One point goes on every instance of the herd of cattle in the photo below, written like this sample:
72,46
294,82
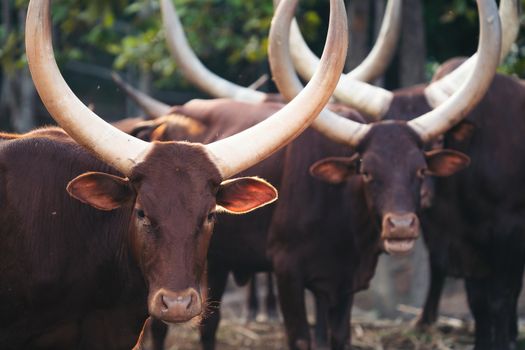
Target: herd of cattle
107,229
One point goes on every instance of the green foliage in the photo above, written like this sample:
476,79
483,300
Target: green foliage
227,35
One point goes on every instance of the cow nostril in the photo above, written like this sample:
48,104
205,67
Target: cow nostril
165,304
390,222
190,301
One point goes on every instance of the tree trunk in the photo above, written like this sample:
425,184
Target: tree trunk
359,24
413,50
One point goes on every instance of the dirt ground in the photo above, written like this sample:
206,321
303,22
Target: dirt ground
378,335
369,332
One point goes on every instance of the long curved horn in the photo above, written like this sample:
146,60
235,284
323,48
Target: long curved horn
359,95
439,91
193,69
105,141
371,100
245,149
381,54
328,123
439,120
152,107
372,66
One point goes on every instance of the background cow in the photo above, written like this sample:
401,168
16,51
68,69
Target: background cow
142,242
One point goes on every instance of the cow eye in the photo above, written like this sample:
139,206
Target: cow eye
421,173
141,214
211,216
366,176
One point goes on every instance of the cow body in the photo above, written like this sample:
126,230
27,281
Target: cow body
475,228
321,239
66,266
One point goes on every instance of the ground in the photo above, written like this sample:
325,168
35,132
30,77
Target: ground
377,335
369,331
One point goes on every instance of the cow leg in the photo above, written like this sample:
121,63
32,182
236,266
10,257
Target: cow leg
271,300
339,322
493,303
321,323
515,282
430,310
477,296
217,278
253,301
291,300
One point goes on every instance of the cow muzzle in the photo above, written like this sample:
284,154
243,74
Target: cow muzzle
400,231
175,307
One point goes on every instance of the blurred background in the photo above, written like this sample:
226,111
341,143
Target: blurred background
92,38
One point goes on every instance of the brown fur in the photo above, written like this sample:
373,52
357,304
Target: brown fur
69,270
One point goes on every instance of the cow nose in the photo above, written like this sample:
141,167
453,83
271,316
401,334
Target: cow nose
176,307
401,221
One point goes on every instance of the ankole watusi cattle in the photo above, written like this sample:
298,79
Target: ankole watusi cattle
475,227
330,245
206,124
131,232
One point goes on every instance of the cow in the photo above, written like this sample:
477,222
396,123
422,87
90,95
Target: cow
481,239
332,248
97,223
172,123
382,202
474,228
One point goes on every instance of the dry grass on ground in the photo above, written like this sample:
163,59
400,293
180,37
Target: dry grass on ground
376,335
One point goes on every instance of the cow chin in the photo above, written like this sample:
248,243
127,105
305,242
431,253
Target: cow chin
399,232
175,307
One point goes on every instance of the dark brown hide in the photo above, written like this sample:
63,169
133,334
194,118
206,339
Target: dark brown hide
476,226
63,264
69,270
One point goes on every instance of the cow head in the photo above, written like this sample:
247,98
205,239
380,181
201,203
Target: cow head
393,166
390,156
172,189
171,224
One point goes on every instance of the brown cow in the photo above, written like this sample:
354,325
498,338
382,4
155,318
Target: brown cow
140,244
332,252
475,227
326,237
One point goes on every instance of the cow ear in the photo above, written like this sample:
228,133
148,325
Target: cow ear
445,162
242,195
100,190
335,170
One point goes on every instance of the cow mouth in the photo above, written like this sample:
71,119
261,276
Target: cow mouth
182,319
399,246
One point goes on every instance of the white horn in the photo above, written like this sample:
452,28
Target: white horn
381,54
245,149
111,145
373,65
193,69
333,126
371,100
436,122
439,91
